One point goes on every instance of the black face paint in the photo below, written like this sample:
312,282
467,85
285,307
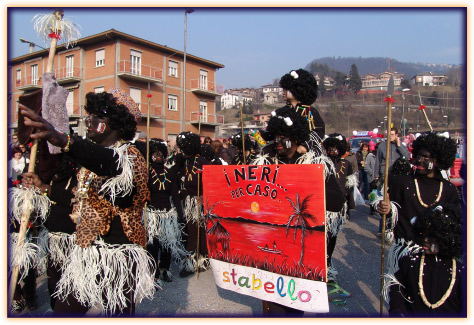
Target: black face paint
333,152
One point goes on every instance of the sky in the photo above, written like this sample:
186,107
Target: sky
258,45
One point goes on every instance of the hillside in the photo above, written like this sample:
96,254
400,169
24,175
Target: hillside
378,65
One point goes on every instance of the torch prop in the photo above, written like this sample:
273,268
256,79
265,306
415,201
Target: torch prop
53,107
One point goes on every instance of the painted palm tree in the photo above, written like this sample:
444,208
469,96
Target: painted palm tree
217,230
300,219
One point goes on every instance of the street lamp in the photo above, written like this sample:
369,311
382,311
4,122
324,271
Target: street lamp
403,110
32,45
183,123
446,116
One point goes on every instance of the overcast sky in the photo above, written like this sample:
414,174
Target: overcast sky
257,45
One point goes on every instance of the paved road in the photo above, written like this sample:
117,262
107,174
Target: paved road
356,257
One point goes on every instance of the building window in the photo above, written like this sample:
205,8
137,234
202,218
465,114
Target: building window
99,90
34,74
173,68
135,62
203,110
18,76
70,103
172,102
136,95
99,58
203,79
69,66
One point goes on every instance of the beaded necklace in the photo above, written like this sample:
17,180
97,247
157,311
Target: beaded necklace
423,204
155,176
193,169
306,112
446,294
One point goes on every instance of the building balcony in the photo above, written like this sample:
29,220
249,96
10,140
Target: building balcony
66,75
143,73
206,88
206,119
29,83
155,110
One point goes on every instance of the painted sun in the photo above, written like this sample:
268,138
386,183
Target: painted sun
254,206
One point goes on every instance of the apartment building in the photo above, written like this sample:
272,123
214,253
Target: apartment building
429,79
176,97
379,81
230,99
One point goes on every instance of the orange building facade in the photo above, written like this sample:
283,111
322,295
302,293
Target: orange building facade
152,74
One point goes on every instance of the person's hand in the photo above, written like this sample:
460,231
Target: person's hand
397,139
44,129
31,179
384,206
301,150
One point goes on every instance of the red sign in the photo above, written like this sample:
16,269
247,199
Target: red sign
272,218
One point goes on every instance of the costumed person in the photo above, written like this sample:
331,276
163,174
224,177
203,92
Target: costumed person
335,146
164,212
108,265
189,164
430,282
238,158
409,195
289,130
300,91
59,224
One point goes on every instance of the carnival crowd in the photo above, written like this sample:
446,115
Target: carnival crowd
113,210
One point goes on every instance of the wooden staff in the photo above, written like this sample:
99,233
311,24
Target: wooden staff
422,107
389,101
242,130
198,225
25,217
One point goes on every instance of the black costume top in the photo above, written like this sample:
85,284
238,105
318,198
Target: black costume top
436,281
402,191
61,206
188,176
163,184
343,170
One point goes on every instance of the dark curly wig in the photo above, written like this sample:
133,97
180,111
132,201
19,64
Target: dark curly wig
158,145
442,148
442,224
333,141
401,166
236,140
189,143
297,130
104,105
302,85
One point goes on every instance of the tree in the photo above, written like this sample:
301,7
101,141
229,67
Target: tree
301,219
321,85
355,83
433,99
340,79
405,83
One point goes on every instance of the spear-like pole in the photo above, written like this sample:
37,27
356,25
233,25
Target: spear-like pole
242,129
423,107
52,26
389,101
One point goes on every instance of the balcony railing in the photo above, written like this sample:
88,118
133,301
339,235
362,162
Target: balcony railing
67,74
206,88
28,83
206,119
141,72
155,110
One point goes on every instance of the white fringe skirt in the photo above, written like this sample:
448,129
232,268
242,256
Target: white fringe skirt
105,274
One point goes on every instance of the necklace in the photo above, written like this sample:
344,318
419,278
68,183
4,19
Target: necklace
306,112
193,169
157,179
446,294
423,204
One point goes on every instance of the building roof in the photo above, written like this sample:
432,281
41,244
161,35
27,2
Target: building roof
115,34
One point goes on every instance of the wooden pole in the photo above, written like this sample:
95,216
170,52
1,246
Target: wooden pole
385,197
243,135
25,217
198,226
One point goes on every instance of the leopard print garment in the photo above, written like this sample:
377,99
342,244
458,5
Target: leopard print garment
98,212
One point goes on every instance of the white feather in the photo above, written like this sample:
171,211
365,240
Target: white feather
27,201
44,24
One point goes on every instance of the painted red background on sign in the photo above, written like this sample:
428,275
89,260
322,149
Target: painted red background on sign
248,212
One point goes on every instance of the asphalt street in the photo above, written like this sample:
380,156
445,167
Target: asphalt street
357,258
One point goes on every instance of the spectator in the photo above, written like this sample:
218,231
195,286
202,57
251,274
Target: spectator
350,156
24,151
361,156
397,150
14,142
369,168
207,140
17,164
220,151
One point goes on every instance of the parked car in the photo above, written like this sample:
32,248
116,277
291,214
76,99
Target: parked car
355,142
